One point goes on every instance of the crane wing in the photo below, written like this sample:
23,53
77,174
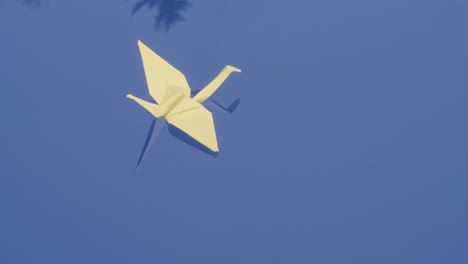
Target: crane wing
197,123
163,79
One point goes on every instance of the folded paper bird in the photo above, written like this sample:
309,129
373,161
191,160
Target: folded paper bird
174,103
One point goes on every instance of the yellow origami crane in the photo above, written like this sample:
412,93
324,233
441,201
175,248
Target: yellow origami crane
174,103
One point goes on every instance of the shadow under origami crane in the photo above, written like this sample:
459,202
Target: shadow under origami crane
159,124
211,105
169,11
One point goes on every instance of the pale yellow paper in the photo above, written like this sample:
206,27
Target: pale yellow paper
170,90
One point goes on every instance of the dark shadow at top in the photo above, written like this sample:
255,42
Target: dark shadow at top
31,3
35,4
169,11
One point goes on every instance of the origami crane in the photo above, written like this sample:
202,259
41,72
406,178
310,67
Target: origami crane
174,102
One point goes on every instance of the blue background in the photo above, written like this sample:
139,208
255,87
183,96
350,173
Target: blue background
349,145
